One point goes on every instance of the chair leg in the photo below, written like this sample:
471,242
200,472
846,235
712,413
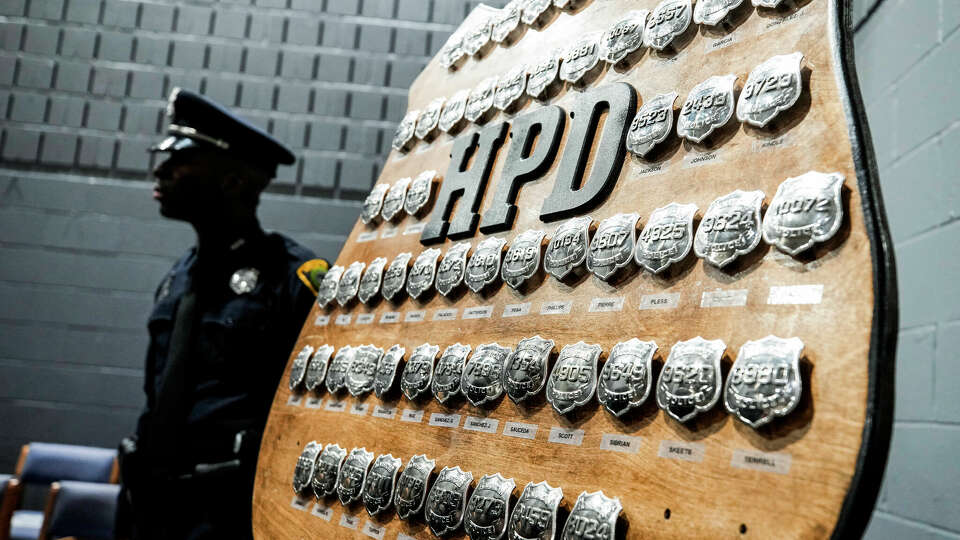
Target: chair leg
11,498
48,509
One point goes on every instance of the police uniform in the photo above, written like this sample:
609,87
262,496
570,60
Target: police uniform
210,378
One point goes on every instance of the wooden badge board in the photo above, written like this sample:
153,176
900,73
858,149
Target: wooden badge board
813,473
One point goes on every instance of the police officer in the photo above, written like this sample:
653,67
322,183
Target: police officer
224,321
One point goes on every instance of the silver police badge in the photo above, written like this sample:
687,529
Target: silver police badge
543,73
667,21
764,382
709,106
412,486
446,379
574,377
522,259
594,517
507,21
652,124
568,247
666,238
453,110
370,282
419,192
337,373
429,118
711,12
624,37
612,246
396,276
405,131
489,507
317,368
378,488
452,268
350,283
299,367
771,4
510,87
481,381
447,500
535,516
418,371
327,470
772,87
393,201
353,474
423,271
387,370
477,37
370,209
328,287
582,56
533,9
244,280
525,370
480,99
363,369
484,265
306,463
730,228
625,378
690,379
805,210
452,51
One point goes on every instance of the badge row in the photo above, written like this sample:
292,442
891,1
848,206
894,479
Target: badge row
409,195
485,514
805,210
764,382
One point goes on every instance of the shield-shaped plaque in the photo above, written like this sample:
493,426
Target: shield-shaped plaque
327,291
574,378
525,369
422,274
353,474
317,368
730,228
299,367
505,22
805,210
489,507
593,516
666,238
568,247
393,201
337,373
535,516
378,488
412,486
373,204
396,276
387,370
510,87
624,37
522,259
370,282
447,500
328,470
306,464
543,73
625,378
452,267
708,106
772,87
652,124
580,57
612,246
429,118
481,381
446,380
667,21
770,4
533,9
764,382
453,110
484,265
419,192
711,12
350,283
480,99
478,36
363,369
452,51
690,379
405,131
418,371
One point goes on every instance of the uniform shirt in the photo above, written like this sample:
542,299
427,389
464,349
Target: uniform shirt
240,342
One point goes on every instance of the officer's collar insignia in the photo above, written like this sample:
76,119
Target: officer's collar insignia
311,273
244,280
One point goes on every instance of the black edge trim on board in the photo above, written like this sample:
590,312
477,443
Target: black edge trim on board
875,442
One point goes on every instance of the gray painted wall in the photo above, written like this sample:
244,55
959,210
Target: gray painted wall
82,84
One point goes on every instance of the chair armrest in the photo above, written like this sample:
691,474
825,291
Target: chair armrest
48,509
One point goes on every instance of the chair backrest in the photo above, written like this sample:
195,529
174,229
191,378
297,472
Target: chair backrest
83,510
46,462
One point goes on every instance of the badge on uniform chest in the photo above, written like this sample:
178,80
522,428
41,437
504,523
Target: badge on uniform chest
244,280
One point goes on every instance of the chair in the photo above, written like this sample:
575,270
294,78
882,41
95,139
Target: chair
41,464
80,509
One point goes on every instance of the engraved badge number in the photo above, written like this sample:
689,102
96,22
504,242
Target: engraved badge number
378,488
533,9
480,99
393,201
418,371
535,516
505,22
405,131
805,210
328,470
429,118
370,282
387,370
453,110
452,268
447,500
580,58
593,516
477,37
625,378
689,382
730,228
423,271
396,276
711,12
299,367
652,124
624,37
446,380
327,291
412,486
772,87
568,247
525,369
612,246
349,283
363,369
353,474
489,507
666,238
543,74
510,87
418,194
317,368
667,21
764,382
337,374
522,259
708,106
481,381
574,378
306,464
484,265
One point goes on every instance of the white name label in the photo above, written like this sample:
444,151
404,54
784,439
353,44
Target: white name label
390,317
415,316
601,305
653,169
342,319
389,232
557,307
365,318
349,522
777,23
300,504
387,413
697,159
373,531
559,435
366,236
444,420
796,294
294,400
761,461
484,425
359,409
478,312
445,315
412,415
335,406
620,443
321,320
734,298
416,228
520,430
762,145
721,43
401,536
516,310
323,512
660,301
682,450
313,403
